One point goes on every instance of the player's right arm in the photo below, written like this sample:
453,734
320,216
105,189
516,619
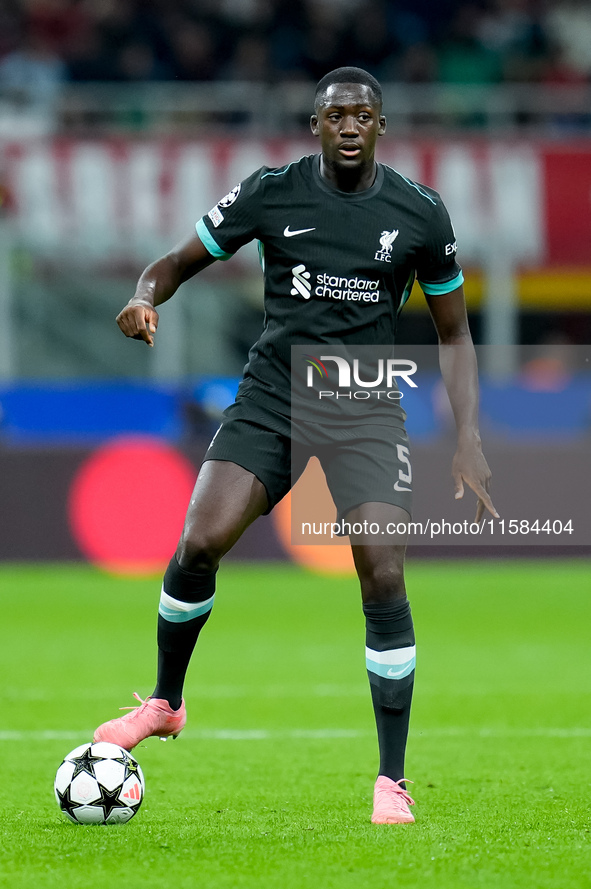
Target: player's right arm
231,223
158,282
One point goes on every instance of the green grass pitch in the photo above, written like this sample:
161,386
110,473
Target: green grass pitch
270,784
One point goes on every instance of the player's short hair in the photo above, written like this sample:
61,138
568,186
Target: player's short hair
347,75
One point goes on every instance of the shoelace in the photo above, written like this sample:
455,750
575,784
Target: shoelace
142,702
400,791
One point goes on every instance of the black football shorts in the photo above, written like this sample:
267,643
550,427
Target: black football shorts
362,463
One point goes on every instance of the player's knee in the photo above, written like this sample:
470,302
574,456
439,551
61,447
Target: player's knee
200,552
382,582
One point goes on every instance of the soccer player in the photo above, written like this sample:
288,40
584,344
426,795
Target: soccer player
336,215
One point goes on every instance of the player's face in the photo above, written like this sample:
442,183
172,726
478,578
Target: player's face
348,124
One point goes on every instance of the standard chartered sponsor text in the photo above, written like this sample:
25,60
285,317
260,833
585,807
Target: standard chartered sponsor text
353,289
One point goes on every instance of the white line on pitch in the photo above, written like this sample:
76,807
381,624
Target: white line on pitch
320,734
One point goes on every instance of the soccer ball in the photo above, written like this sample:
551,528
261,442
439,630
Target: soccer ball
99,784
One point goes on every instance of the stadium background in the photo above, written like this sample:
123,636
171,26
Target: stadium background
122,123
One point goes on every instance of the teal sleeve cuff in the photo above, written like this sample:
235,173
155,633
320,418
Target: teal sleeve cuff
440,289
209,243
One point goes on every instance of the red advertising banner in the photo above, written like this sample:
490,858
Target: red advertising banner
130,199
567,204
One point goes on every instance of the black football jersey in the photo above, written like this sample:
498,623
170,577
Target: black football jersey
338,266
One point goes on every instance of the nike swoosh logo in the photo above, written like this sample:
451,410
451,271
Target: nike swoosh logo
398,488
289,234
392,672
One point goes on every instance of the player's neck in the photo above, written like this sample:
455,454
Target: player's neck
359,179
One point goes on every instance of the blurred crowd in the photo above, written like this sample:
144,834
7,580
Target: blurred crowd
44,43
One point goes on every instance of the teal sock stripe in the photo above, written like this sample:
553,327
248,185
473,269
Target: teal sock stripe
178,612
394,664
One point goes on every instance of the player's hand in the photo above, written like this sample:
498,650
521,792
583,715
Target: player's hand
470,466
139,320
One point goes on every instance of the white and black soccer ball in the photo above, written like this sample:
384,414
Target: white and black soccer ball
99,784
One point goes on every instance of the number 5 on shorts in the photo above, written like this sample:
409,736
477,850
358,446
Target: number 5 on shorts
404,478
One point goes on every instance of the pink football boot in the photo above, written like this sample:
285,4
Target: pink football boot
154,717
391,802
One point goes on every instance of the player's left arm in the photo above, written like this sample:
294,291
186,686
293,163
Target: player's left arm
457,360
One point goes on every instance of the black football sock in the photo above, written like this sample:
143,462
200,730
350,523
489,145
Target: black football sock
390,658
185,604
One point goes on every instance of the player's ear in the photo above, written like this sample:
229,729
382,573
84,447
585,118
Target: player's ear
314,124
382,125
